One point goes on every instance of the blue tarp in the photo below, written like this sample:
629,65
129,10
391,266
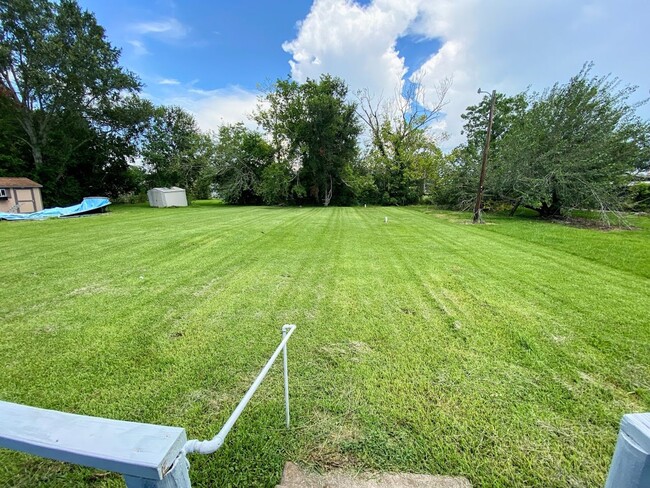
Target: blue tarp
89,205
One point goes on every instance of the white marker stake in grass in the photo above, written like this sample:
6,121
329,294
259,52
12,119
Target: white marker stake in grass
385,220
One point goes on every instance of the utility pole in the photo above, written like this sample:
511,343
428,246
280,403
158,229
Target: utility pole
479,194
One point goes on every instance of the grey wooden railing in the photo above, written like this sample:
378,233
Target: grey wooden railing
146,455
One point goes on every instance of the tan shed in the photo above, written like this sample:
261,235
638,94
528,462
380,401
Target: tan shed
20,195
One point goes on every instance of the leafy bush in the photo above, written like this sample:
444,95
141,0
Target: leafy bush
638,197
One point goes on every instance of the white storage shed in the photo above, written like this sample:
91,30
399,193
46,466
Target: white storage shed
167,197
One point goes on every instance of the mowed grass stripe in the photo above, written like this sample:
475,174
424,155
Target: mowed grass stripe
511,364
519,327
550,277
156,296
592,308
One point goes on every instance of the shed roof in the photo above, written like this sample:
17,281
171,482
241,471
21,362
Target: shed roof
168,190
18,183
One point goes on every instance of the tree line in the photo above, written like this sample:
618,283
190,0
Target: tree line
73,119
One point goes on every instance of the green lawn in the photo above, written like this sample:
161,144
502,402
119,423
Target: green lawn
506,352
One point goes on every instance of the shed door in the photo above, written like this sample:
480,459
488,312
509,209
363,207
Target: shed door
25,197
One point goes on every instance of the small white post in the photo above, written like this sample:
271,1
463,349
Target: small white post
285,329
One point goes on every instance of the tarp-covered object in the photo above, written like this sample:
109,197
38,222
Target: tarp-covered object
89,205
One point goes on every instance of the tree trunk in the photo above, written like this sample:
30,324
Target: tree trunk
328,192
514,208
38,156
34,141
314,191
547,211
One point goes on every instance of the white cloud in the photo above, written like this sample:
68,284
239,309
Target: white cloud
139,49
505,45
169,81
512,45
169,28
214,108
357,43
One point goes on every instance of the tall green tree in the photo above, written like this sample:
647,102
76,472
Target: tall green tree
576,147
176,153
13,150
240,157
463,164
403,150
83,159
55,58
72,113
314,129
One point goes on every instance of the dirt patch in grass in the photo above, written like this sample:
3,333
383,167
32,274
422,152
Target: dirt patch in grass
332,436
597,224
207,400
92,289
351,350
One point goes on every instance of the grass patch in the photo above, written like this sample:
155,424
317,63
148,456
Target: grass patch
506,353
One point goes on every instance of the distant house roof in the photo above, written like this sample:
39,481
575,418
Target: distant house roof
18,183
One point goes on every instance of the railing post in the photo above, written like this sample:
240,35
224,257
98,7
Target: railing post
285,329
210,446
630,466
177,477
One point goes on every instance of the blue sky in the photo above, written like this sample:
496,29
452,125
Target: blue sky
209,44
210,57
219,44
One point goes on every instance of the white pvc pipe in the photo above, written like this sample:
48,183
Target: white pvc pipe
286,377
208,447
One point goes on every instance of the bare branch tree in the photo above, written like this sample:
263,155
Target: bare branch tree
403,148
410,109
